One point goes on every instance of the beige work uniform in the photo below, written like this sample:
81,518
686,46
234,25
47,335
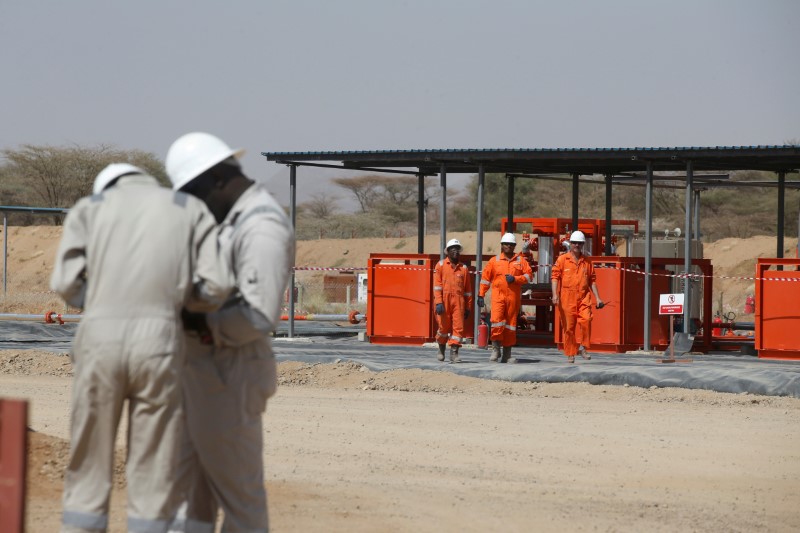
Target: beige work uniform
227,385
132,257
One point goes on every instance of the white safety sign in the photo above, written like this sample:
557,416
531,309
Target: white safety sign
670,304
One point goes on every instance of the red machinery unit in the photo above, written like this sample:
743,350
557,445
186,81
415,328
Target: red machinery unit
544,236
777,309
400,298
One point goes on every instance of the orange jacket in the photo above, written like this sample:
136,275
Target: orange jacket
577,276
494,275
452,283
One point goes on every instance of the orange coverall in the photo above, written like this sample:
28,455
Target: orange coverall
452,286
574,300
506,297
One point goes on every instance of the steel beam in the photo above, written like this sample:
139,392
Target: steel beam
648,253
478,254
293,216
687,248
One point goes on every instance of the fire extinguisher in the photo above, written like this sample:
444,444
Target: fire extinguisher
483,335
717,331
749,305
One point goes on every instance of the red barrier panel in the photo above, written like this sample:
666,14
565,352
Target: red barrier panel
777,309
400,298
13,462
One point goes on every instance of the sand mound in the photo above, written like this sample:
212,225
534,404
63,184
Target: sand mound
32,251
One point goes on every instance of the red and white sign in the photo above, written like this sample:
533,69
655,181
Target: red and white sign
670,304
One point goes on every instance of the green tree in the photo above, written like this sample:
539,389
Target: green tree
53,176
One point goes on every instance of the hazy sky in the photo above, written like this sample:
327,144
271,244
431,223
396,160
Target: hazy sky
351,75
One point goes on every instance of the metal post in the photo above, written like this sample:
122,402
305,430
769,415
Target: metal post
697,215
478,253
781,197
293,216
5,252
607,250
510,206
421,208
443,211
347,294
575,182
687,248
648,253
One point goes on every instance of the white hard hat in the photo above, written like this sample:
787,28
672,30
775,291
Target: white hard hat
194,153
452,242
508,238
577,236
112,172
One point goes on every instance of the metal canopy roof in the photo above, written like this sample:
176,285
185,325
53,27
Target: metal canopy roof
582,161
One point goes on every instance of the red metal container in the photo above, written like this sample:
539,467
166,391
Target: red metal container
777,306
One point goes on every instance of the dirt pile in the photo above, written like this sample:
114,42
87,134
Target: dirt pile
32,251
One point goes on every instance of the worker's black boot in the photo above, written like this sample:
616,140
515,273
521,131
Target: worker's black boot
507,355
440,357
454,354
495,351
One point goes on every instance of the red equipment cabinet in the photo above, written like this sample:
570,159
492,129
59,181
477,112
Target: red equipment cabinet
400,298
777,309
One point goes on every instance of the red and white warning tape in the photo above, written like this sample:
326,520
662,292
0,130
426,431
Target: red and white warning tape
420,268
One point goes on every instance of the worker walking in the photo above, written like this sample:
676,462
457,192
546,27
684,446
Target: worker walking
231,370
505,274
452,298
573,280
131,255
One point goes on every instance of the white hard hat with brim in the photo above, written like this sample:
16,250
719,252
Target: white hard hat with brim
194,153
112,172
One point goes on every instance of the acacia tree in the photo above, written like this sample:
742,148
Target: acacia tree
321,206
59,176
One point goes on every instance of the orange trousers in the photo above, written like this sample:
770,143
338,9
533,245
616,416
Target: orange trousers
451,322
575,314
505,310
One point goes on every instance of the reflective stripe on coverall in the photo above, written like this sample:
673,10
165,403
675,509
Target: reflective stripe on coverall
452,287
574,300
227,385
505,298
129,256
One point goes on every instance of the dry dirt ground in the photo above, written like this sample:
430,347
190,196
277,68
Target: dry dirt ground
348,449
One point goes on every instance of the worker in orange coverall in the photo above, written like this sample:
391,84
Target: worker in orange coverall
573,281
452,297
505,274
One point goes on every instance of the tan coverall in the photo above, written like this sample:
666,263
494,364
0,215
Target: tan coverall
575,279
452,287
132,257
227,385
506,298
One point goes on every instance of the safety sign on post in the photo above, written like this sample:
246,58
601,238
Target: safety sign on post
671,304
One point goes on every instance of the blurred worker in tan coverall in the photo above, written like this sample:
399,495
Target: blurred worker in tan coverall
573,281
131,255
231,376
452,298
505,273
